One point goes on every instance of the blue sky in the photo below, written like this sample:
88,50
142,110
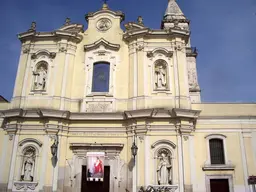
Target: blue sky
222,30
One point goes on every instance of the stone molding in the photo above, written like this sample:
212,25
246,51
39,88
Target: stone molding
160,50
58,34
105,11
151,33
21,143
103,42
25,186
225,167
160,142
111,149
159,188
150,113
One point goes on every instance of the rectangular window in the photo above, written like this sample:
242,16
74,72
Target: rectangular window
217,151
100,81
219,185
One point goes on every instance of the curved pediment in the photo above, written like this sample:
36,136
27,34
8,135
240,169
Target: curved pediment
102,42
163,141
105,11
77,28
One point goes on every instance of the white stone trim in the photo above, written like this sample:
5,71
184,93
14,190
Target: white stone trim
192,162
146,155
101,55
44,162
209,177
3,157
216,136
134,171
180,162
176,81
33,66
19,158
135,79
158,145
25,83
152,62
13,161
64,82
253,140
244,161
56,168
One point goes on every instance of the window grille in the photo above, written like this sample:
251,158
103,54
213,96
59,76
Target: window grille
217,151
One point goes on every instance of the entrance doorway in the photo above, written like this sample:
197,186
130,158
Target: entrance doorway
95,186
219,185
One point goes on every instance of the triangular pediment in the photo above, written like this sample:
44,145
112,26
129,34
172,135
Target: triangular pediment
102,42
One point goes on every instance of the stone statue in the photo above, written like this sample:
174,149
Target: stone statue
40,78
27,172
160,78
164,170
140,20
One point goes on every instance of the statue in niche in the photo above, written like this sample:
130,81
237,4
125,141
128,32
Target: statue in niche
40,76
160,76
164,175
28,167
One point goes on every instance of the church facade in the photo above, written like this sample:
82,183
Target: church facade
112,110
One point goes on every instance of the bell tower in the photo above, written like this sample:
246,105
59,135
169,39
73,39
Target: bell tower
174,19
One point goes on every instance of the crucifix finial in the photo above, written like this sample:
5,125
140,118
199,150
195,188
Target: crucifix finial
105,5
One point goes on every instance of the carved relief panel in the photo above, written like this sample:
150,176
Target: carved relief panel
192,74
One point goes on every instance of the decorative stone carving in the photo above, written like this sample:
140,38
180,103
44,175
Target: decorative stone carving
28,167
99,106
52,55
26,50
164,175
192,79
40,76
155,188
160,75
67,21
140,46
11,137
25,185
140,20
33,26
104,24
63,49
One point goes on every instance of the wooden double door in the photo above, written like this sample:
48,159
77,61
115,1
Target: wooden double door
219,185
95,186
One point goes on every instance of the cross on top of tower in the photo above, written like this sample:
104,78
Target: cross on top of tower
105,5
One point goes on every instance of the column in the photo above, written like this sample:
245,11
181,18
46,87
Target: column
180,159
44,162
245,168
192,162
56,170
147,158
13,162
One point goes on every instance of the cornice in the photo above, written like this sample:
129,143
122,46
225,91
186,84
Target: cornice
126,115
152,33
61,34
186,113
102,42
